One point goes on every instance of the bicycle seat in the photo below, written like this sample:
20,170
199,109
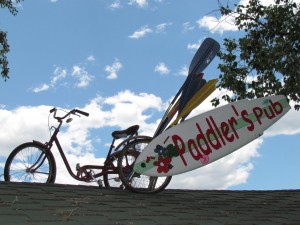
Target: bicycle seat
124,133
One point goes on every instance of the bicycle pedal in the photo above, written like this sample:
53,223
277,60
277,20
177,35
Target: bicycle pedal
117,179
100,183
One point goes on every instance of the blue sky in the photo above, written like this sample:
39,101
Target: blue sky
122,61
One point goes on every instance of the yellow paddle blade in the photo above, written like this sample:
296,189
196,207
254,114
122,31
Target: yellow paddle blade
197,99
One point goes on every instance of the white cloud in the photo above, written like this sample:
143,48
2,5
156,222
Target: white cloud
144,30
161,68
141,32
187,27
288,125
184,71
82,75
139,3
53,1
59,74
224,23
221,24
128,109
113,69
162,27
22,124
115,5
91,58
42,87
194,46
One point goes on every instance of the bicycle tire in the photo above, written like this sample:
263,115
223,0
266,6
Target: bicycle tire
113,180
133,181
19,166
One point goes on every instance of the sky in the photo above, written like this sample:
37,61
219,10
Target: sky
123,61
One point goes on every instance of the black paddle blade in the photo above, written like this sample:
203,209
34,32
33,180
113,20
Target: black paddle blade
204,55
202,58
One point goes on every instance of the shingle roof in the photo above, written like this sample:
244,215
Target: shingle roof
45,204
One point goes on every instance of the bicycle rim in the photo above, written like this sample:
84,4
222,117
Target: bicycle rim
137,182
30,163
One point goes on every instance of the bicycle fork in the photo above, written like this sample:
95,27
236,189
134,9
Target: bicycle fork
33,169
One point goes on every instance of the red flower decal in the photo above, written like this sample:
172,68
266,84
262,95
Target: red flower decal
163,164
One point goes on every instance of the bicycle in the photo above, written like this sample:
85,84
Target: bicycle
34,161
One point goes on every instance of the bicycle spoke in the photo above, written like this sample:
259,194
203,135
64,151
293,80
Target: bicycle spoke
152,183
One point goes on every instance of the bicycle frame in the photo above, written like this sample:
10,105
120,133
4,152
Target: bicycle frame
107,168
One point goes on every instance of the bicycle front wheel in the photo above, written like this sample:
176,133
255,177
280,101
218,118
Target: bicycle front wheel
30,162
134,181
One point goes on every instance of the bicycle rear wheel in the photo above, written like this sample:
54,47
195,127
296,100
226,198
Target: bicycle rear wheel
134,181
30,162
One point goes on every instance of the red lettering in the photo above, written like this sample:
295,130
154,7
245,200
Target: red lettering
271,114
200,137
181,151
258,112
210,134
225,130
235,111
275,107
244,115
217,129
192,145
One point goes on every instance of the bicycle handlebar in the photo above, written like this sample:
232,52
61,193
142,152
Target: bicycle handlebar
81,112
73,111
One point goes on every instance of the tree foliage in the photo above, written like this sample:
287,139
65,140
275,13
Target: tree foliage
265,61
4,46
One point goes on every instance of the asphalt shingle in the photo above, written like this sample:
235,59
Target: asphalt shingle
45,204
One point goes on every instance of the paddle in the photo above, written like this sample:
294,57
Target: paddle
195,68
197,99
204,55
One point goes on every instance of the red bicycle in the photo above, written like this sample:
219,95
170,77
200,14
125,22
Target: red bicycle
34,161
